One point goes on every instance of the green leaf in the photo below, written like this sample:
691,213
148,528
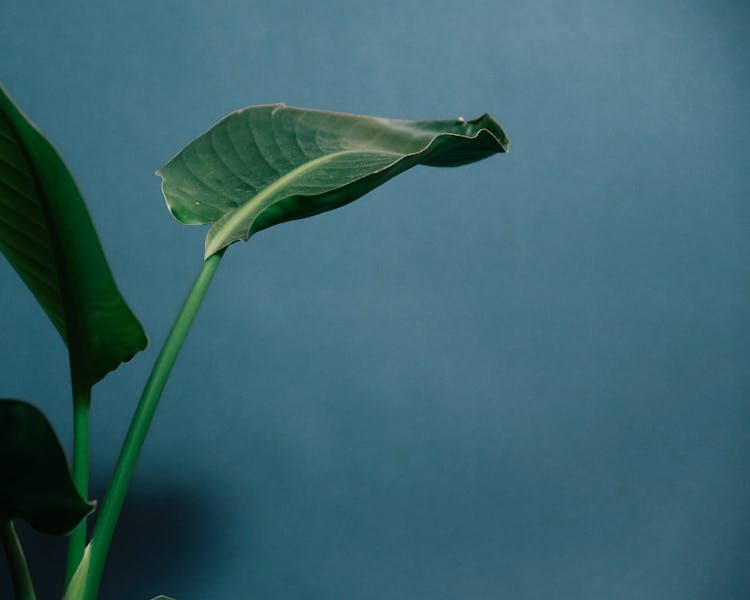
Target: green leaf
264,165
47,235
77,586
35,484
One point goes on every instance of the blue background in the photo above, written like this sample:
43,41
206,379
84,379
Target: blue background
526,378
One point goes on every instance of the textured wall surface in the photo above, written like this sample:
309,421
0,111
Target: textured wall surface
527,378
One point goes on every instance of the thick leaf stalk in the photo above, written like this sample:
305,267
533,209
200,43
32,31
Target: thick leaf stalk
123,475
81,405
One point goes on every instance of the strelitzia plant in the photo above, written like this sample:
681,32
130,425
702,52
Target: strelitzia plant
257,167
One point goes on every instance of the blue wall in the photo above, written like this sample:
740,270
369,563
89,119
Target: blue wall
526,378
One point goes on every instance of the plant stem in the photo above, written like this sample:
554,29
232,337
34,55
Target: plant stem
19,571
81,403
113,501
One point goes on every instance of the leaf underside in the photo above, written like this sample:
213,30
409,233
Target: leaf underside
48,237
35,483
268,164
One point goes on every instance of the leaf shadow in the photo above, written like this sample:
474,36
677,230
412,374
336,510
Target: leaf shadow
162,534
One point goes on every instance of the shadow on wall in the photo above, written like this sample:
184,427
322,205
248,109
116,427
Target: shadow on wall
160,536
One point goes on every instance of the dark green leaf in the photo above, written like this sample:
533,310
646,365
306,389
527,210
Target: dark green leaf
35,484
47,235
267,164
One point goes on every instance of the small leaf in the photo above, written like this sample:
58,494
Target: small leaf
162,598
47,235
267,164
35,483
77,585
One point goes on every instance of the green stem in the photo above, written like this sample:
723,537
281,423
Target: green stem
81,403
113,501
19,571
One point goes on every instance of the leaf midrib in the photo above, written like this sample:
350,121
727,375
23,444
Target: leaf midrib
258,202
64,298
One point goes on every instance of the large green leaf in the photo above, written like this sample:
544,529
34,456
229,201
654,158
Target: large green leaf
35,483
267,164
47,235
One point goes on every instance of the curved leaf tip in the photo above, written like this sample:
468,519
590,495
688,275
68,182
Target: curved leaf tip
267,164
48,237
35,483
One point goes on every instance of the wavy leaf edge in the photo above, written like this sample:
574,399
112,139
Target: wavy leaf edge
488,123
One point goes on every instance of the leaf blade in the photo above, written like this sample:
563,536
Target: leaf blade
47,235
77,585
36,484
267,164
